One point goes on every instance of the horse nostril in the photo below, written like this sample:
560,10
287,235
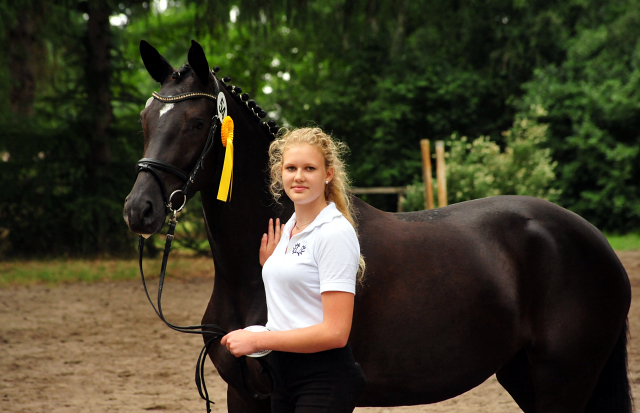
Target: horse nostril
147,212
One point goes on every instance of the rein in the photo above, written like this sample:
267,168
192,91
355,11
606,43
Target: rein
153,166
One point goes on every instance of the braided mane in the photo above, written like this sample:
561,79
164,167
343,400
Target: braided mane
249,104
243,99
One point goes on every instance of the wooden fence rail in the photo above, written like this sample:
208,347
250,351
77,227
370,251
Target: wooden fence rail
399,190
425,149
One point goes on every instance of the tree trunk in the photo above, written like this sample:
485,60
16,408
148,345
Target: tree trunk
22,44
98,74
398,36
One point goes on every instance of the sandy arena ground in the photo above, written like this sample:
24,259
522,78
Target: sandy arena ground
101,348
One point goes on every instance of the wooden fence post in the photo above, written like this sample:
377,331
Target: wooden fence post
425,148
441,174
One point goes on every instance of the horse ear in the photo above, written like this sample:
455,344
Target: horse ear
198,62
156,65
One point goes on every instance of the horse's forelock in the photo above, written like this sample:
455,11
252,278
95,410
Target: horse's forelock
181,73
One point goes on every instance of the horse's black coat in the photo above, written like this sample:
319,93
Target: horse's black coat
510,285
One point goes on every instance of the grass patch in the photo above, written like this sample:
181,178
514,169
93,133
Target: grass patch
62,271
626,242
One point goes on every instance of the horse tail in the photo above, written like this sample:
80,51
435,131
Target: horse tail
613,392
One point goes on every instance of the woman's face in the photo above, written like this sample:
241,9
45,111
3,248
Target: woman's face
304,174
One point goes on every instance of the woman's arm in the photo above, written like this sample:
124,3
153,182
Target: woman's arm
332,332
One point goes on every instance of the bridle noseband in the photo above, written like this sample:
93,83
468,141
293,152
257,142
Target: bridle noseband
153,166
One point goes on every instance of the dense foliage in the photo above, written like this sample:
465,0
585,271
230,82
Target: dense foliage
593,110
479,168
381,75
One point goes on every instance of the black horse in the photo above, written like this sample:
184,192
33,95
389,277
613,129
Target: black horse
510,285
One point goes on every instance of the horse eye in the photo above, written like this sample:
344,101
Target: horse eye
198,124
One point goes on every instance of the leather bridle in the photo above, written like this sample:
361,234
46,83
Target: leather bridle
153,166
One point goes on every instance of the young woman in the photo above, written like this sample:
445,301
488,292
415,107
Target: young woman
310,269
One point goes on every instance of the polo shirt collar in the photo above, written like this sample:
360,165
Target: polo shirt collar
326,215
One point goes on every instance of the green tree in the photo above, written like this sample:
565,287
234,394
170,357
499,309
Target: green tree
56,140
378,75
593,112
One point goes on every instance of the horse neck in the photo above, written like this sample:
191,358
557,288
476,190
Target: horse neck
235,227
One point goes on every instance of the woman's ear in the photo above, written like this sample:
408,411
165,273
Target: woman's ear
329,175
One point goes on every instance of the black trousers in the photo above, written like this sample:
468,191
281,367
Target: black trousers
324,382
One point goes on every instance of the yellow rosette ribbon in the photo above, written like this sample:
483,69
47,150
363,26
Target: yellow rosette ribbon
226,180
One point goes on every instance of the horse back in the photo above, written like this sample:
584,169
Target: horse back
535,239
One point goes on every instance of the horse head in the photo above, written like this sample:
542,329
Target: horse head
181,127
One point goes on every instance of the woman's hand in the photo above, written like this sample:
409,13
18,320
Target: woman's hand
270,240
240,342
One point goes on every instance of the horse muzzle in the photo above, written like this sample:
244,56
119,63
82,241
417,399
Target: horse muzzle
144,209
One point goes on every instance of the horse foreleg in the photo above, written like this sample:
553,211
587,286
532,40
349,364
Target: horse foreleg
240,403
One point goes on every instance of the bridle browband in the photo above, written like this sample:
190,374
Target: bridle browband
153,166
185,96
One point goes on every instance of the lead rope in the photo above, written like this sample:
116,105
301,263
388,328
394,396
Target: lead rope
216,334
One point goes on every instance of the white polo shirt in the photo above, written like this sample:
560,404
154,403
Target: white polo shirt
323,257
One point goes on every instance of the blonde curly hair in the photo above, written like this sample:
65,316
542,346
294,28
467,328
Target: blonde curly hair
337,190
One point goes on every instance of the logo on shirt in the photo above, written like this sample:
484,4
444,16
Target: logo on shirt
297,249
